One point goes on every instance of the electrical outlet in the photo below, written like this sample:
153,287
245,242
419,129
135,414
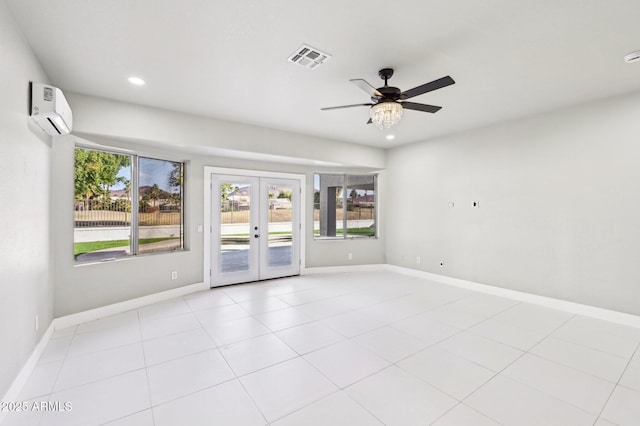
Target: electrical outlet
418,260
350,256
174,275
37,322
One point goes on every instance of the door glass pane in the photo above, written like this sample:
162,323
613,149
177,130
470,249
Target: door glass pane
235,227
280,226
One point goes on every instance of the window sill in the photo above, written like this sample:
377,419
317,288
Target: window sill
355,237
125,258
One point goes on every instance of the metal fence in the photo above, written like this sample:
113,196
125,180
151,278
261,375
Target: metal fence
242,216
353,213
111,213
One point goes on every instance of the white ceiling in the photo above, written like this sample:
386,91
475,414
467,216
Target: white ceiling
228,58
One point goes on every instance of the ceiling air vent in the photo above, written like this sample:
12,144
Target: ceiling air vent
309,57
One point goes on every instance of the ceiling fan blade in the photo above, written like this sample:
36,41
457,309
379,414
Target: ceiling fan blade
420,107
344,106
427,87
364,85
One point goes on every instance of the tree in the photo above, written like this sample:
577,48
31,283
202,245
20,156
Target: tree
154,194
226,189
353,194
176,177
339,196
285,194
95,172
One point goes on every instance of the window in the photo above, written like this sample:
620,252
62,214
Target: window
160,205
344,206
107,185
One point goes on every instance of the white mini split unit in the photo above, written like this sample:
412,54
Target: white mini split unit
50,109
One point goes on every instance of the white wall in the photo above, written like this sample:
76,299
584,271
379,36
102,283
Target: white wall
25,264
209,136
559,208
201,142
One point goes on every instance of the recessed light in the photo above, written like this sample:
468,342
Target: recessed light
390,137
137,81
632,57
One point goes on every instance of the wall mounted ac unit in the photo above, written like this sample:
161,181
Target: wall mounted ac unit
50,109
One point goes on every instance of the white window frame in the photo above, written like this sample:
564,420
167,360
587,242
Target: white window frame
345,196
134,227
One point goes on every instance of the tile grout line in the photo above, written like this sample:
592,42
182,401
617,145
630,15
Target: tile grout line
216,348
539,390
462,330
465,405
339,389
617,383
390,364
68,358
146,368
75,334
64,360
298,356
507,366
171,316
346,338
236,378
580,346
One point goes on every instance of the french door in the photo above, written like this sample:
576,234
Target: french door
255,228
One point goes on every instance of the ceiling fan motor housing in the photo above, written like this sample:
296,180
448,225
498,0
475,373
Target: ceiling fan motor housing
389,94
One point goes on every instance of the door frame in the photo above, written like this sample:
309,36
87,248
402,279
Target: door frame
208,223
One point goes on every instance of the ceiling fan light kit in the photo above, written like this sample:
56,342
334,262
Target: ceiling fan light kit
385,115
388,103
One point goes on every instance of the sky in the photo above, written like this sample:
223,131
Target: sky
151,172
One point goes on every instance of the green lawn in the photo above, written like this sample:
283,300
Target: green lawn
368,231
88,247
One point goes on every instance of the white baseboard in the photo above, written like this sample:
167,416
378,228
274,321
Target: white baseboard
127,305
14,390
349,268
549,302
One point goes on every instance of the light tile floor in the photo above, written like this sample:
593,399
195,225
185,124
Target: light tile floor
338,349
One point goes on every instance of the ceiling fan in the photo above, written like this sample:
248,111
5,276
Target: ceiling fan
388,102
